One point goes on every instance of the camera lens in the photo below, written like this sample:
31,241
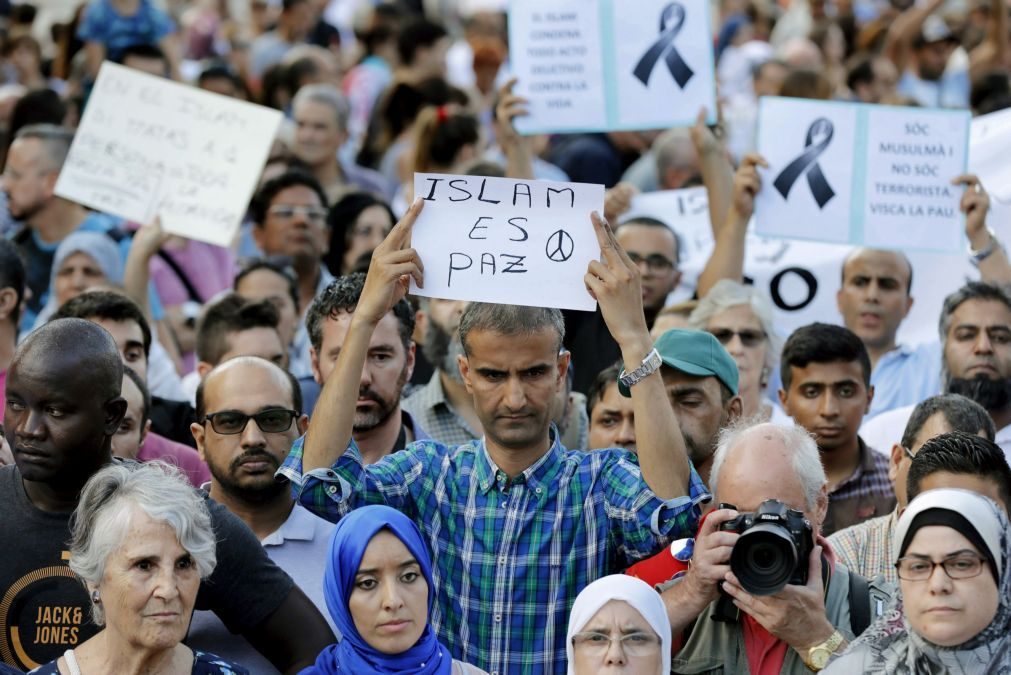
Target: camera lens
764,558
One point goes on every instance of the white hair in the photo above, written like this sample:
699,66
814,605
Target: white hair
674,149
801,445
325,94
726,294
108,503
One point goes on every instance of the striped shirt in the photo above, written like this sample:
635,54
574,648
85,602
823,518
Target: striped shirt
866,548
509,556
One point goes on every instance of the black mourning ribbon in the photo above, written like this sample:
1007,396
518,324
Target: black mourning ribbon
807,162
671,20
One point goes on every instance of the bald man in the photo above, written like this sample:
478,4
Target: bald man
64,405
250,413
873,300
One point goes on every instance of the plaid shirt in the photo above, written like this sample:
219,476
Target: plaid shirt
865,494
509,556
429,406
866,548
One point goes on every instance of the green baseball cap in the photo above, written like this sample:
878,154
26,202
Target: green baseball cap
694,352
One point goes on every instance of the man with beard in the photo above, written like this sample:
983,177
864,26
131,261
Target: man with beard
975,328
380,426
443,407
827,389
250,412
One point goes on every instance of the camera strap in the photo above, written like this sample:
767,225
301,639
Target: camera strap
860,604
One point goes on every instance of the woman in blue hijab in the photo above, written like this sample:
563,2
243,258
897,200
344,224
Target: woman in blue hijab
378,588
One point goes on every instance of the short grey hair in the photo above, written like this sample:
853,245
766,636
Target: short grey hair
325,94
55,141
806,460
510,320
110,499
674,149
726,294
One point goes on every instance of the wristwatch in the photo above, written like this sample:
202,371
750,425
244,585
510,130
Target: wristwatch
818,656
649,365
976,257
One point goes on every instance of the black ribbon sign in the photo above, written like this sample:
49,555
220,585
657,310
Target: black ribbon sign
807,162
671,20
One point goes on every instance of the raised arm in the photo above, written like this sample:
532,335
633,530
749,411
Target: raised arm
137,275
716,169
992,52
293,635
995,267
727,259
903,31
394,263
614,282
519,156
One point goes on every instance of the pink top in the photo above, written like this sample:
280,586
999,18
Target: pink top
170,452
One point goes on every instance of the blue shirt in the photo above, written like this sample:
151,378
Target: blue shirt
905,376
102,23
510,556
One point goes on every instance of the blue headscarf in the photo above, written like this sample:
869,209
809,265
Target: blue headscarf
353,654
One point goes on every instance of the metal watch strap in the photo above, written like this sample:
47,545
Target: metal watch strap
649,365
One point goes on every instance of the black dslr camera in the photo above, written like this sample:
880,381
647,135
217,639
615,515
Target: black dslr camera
774,550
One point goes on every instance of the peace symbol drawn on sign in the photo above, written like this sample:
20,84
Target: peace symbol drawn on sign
559,246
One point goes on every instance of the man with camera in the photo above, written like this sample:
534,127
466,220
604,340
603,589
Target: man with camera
762,592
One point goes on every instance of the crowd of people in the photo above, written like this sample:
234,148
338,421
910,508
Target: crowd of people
273,458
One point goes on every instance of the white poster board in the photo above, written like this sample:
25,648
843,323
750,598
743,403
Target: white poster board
147,146
594,65
506,241
862,174
801,278
989,150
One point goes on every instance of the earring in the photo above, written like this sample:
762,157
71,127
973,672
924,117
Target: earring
95,598
763,379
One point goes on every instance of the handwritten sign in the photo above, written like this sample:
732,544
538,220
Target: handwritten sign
989,146
147,146
862,174
506,241
593,65
801,278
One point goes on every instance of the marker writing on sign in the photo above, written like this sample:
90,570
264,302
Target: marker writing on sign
462,191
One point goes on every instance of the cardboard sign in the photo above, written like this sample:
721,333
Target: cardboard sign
862,174
800,278
506,241
147,146
594,65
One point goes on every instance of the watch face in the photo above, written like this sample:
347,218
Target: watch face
819,657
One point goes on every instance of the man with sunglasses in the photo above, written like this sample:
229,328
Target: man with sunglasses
250,413
289,222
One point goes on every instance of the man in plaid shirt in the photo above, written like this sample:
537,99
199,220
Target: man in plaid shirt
517,524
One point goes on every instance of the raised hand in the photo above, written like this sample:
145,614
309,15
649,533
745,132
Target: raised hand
394,264
614,282
747,183
975,204
618,200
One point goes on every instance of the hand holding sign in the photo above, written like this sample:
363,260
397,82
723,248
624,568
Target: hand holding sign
394,265
747,183
614,282
974,204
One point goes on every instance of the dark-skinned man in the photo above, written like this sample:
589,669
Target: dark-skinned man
541,521
63,407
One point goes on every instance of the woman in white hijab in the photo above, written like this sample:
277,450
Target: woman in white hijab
953,614
618,622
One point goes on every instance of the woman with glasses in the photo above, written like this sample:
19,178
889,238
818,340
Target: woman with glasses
953,611
379,590
618,624
741,318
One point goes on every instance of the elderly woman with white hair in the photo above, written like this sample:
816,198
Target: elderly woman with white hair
141,541
741,318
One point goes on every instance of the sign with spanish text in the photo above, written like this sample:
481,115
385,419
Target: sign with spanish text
851,173
506,241
594,65
147,147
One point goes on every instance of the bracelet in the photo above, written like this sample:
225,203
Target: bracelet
649,365
976,257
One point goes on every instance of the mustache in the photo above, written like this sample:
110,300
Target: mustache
255,455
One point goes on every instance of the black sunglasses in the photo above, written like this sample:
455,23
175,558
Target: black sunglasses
749,338
271,421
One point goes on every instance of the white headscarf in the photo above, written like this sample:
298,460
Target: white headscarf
636,593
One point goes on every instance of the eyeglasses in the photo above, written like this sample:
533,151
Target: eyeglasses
287,212
654,262
964,566
909,453
633,644
271,421
749,338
